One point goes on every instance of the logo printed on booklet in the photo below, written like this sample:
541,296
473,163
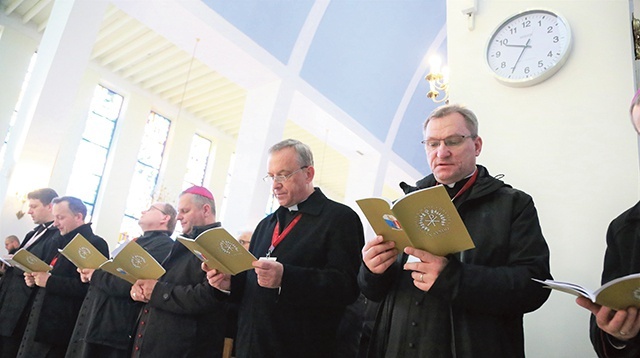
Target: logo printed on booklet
392,221
84,252
138,261
433,220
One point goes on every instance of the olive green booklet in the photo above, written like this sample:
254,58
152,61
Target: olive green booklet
131,263
618,294
27,262
425,219
82,253
220,250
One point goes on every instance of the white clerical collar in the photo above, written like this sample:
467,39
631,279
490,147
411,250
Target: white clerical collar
468,176
293,207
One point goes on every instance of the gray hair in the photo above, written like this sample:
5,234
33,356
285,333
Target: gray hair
305,157
76,206
443,111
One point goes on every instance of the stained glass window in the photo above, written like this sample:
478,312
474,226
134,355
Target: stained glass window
197,163
145,178
91,156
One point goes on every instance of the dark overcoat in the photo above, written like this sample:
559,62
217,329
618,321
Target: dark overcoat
56,306
182,318
108,314
475,307
321,256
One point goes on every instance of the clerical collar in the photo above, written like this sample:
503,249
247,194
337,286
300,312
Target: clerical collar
293,207
461,181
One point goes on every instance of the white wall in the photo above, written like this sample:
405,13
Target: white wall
567,141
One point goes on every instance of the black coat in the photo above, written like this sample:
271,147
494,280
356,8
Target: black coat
182,318
476,305
321,256
55,308
15,296
108,314
622,258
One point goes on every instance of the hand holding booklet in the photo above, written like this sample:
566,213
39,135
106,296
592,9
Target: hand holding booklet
220,250
618,294
425,219
27,262
130,262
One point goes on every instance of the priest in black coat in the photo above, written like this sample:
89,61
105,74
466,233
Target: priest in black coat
60,291
16,297
291,304
108,315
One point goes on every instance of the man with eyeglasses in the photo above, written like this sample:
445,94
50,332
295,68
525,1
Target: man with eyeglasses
290,305
469,304
108,314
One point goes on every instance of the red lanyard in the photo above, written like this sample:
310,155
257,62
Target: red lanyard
467,185
277,237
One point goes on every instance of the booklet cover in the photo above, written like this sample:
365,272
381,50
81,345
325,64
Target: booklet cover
618,294
220,250
133,263
27,262
425,219
82,253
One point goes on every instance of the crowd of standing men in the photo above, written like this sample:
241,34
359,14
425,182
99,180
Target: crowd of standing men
313,267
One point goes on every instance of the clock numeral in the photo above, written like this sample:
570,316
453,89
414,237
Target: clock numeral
513,30
556,39
503,64
498,54
526,23
550,29
540,63
527,70
504,42
550,54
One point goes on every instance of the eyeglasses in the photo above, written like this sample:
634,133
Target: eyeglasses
160,210
281,178
451,141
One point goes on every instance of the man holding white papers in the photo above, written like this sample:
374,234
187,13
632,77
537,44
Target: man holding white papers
181,318
469,304
108,315
615,333
292,303
60,291
16,298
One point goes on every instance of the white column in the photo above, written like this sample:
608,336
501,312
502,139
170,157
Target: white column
45,116
262,126
16,50
221,166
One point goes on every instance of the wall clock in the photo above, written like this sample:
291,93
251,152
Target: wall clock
528,47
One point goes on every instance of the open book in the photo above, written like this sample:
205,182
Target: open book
618,294
425,219
130,262
26,261
220,250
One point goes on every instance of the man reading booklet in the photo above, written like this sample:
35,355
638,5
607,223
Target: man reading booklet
108,312
180,316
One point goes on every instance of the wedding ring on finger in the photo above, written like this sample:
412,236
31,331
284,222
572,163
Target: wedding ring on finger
134,295
421,277
623,333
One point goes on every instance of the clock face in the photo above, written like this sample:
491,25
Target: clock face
528,47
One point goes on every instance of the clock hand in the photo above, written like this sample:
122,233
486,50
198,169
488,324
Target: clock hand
524,46
521,52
